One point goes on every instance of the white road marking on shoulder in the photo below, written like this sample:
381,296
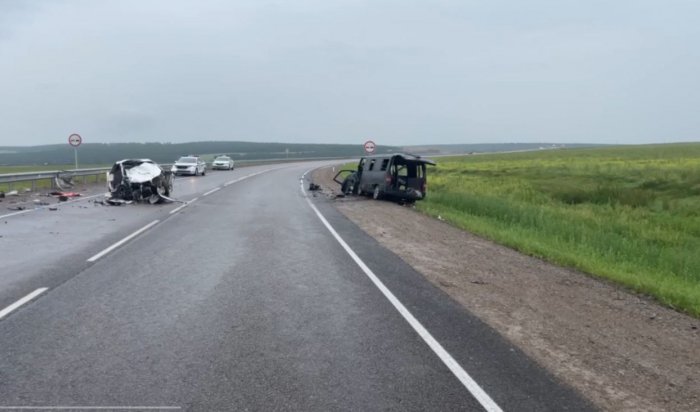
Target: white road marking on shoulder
21,302
21,212
121,242
216,189
479,394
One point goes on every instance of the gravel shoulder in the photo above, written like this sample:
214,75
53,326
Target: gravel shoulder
621,350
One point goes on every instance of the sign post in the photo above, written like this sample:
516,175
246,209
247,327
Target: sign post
369,147
75,140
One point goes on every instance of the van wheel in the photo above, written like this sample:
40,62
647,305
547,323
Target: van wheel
377,194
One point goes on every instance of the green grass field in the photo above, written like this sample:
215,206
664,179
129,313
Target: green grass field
628,214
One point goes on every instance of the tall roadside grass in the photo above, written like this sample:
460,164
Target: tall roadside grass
628,214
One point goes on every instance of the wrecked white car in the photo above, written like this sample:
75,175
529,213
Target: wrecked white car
139,180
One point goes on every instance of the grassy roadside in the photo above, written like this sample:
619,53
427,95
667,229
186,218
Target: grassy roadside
628,214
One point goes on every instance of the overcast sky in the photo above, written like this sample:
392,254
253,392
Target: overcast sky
334,71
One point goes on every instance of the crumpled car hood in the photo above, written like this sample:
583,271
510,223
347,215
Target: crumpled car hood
145,172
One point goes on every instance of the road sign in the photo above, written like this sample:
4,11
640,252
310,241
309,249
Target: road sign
369,147
75,140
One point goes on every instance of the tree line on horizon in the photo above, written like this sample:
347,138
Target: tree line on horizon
107,153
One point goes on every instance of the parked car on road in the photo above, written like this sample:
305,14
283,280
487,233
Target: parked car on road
397,176
189,165
222,162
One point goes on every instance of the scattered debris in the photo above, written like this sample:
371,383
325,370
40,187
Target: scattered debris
27,190
53,208
66,194
118,202
64,181
314,187
12,193
2,194
16,208
38,202
478,282
138,180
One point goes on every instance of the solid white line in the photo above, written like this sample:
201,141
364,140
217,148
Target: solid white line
21,212
216,189
21,302
91,408
481,396
121,242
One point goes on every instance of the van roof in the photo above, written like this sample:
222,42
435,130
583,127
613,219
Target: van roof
406,156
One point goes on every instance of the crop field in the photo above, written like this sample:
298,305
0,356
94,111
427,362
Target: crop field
627,214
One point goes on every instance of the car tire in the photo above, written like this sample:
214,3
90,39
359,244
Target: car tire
377,194
204,172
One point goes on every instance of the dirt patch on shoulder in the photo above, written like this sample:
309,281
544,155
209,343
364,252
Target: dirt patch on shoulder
620,350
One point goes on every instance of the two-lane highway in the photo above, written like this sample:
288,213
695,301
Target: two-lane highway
254,296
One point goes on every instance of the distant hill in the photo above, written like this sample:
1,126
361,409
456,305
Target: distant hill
106,153
442,149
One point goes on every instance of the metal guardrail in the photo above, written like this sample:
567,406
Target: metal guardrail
52,175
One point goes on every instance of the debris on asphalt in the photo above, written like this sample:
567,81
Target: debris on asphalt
16,208
65,194
12,193
314,187
118,202
38,202
53,208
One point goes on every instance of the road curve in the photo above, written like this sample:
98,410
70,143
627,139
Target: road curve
244,299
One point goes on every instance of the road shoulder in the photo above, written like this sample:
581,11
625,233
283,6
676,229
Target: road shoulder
620,350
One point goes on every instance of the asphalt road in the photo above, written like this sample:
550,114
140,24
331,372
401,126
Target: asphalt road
244,299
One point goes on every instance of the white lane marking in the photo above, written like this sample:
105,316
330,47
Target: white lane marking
184,205
91,408
21,212
216,189
121,242
247,176
481,396
21,302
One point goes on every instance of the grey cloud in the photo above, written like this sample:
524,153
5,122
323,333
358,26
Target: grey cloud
318,71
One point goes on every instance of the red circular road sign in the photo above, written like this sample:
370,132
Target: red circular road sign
369,146
75,140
